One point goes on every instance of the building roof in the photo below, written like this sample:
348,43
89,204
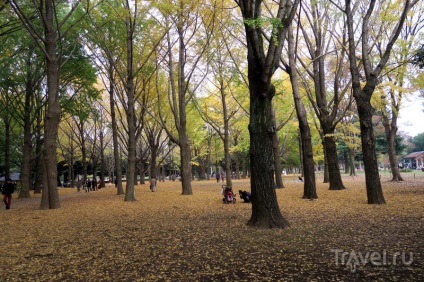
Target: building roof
414,155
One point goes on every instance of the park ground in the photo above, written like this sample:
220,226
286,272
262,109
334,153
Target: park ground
164,236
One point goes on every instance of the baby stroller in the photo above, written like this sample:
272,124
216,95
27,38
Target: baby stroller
245,196
229,196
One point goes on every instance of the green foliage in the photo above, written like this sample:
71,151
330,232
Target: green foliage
418,57
418,142
381,144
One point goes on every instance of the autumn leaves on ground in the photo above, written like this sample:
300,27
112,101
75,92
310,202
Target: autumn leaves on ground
165,236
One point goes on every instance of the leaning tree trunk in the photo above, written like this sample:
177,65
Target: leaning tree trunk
372,175
309,186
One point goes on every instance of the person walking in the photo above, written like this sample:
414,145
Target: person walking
153,184
7,191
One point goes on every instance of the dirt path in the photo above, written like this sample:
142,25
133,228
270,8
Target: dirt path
34,201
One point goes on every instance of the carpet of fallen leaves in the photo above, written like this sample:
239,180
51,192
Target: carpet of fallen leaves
164,236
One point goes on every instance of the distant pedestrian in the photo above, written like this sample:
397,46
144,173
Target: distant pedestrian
153,184
94,184
7,190
222,177
217,177
78,185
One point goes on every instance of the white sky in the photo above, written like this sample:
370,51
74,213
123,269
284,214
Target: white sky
411,116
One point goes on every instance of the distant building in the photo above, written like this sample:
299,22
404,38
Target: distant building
414,160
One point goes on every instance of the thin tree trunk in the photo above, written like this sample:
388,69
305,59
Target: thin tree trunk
102,160
117,157
352,170
27,148
391,130
277,160
309,187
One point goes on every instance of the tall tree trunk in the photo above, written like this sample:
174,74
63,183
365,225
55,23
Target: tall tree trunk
326,174
102,160
117,157
362,92
336,182
227,156
38,156
372,174
7,147
185,164
142,172
277,159
153,160
346,160
309,186
391,131
352,170
27,148
129,191
265,210
51,124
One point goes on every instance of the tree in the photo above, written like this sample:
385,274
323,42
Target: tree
397,82
54,23
261,67
189,27
418,142
363,92
306,150
326,81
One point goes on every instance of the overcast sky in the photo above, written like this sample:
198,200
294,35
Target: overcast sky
411,117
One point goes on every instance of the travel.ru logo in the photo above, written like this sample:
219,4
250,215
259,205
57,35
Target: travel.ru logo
354,259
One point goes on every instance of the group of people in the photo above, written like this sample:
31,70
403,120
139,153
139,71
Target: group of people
220,176
90,185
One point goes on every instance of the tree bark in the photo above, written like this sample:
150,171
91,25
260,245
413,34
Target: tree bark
372,175
309,186
185,163
391,142
265,210
325,170
51,124
27,148
118,166
277,160
363,94
336,182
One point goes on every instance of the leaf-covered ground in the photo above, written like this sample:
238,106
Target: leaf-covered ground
165,236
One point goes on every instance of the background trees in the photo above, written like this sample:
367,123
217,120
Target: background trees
149,60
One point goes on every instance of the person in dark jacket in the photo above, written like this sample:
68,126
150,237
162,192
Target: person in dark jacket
7,191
